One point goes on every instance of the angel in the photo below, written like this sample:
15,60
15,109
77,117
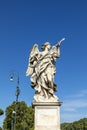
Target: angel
42,69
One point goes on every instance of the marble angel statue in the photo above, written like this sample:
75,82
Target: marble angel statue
42,69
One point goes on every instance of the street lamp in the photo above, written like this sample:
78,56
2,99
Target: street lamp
14,113
17,87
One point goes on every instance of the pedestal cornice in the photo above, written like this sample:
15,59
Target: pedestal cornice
46,104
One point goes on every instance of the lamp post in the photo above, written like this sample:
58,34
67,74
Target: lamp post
14,112
13,120
17,87
17,90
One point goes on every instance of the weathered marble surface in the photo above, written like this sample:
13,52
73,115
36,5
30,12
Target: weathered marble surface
42,69
47,116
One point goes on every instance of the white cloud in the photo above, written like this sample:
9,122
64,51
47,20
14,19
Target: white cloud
74,107
65,117
80,94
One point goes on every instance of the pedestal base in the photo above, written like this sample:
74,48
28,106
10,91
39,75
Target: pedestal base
47,116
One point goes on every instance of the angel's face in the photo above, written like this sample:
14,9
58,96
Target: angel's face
48,46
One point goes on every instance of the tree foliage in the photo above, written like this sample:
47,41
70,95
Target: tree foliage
1,112
0,128
77,125
20,116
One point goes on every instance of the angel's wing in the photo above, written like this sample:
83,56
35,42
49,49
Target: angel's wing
34,50
33,53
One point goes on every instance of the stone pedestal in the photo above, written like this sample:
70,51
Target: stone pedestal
47,115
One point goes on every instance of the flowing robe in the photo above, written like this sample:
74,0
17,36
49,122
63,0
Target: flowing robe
42,78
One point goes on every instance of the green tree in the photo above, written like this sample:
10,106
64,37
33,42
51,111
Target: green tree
0,128
76,125
20,116
1,112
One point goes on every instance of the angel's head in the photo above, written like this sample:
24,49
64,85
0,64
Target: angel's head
46,45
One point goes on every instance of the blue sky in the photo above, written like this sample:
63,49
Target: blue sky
26,22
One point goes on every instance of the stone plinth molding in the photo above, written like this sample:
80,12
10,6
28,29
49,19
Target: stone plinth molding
47,115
